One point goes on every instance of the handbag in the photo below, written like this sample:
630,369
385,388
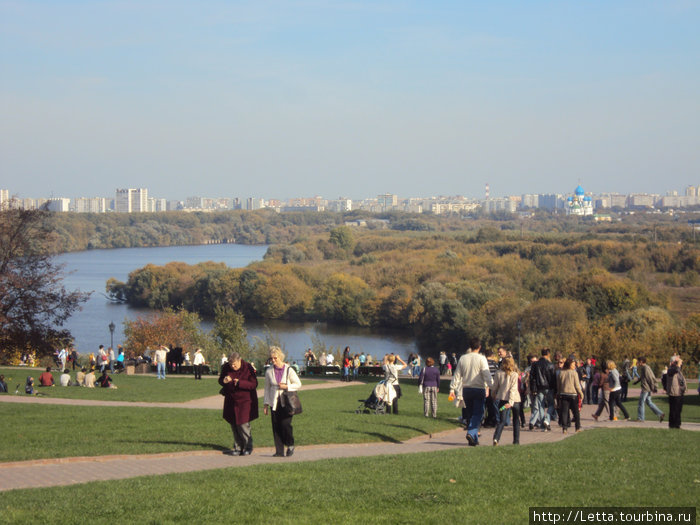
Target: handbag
290,400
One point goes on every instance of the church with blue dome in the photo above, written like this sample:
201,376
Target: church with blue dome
579,203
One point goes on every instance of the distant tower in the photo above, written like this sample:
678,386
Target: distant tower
487,191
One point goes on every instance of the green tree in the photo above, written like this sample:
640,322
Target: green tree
343,298
229,333
342,237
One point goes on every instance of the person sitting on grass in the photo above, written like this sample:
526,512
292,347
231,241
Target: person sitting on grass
90,379
80,377
3,385
29,386
46,378
104,380
65,378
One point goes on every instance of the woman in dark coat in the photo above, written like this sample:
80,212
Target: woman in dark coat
240,402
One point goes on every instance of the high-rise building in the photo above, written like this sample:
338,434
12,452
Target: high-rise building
550,201
642,200
530,201
387,201
58,204
90,205
340,205
130,200
254,204
4,197
494,205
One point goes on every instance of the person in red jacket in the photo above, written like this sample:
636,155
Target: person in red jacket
46,378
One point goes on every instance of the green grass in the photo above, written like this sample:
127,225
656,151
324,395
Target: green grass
175,389
603,467
32,431
690,413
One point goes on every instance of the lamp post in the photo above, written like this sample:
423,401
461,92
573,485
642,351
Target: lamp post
111,334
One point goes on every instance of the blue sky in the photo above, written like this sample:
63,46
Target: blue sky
348,98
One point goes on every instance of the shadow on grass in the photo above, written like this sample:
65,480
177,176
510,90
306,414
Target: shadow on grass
419,430
382,437
190,443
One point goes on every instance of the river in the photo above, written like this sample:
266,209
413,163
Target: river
88,271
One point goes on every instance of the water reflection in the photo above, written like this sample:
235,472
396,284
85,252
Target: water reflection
89,271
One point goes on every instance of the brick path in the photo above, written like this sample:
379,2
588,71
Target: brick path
69,471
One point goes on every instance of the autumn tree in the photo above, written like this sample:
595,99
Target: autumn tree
170,327
34,304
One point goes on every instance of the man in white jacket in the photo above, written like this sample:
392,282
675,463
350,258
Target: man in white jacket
198,363
473,377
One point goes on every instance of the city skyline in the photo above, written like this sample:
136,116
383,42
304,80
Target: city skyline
578,201
349,99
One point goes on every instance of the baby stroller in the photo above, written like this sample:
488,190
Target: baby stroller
381,397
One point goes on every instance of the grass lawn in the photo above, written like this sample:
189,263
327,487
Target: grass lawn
32,431
175,389
690,413
613,467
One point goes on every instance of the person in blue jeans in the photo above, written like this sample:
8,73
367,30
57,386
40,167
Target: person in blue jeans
543,386
472,377
161,356
648,380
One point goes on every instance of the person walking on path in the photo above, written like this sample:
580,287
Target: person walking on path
604,394
429,381
569,391
280,377
198,363
648,385
240,402
161,357
507,397
473,378
615,392
543,384
675,386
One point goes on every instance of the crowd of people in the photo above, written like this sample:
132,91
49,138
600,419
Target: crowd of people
489,387
492,390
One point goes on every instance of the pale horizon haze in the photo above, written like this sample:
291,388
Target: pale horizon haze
348,98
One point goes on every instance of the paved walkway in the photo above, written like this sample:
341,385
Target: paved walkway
69,471
211,402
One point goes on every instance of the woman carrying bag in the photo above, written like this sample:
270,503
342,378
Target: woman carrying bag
280,378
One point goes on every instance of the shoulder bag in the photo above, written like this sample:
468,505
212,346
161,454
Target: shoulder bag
290,400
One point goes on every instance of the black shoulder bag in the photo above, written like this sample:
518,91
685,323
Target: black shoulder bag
290,400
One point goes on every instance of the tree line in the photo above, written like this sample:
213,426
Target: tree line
609,294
